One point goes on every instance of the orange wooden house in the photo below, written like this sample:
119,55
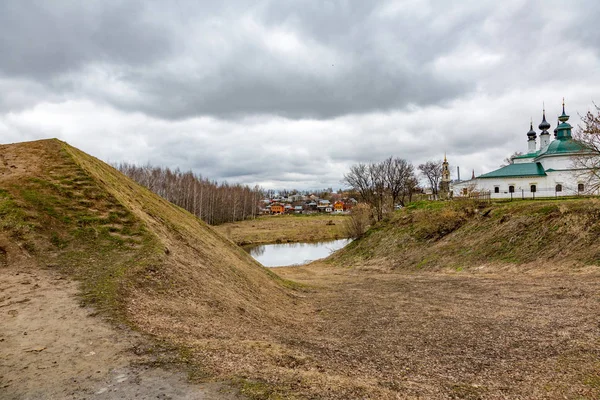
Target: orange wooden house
338,206
277,208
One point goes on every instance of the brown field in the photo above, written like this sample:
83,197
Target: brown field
449,335
285,228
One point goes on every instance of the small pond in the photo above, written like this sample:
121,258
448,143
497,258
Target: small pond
285,254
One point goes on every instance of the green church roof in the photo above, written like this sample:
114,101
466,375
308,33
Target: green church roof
563,146
516,170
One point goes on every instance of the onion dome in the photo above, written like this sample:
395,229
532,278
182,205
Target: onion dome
564,117
544,126
531,135
563,130
556,129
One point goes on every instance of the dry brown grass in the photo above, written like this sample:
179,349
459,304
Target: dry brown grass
449,335
460,236
286,229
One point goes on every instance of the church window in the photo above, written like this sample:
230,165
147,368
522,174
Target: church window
558,187
533,188
580,187
511,189
496,189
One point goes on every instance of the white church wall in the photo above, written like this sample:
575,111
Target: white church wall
544,142
545,186
522,186
556,162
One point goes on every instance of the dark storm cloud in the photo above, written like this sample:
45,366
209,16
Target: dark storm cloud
42,39
324,59
319,60
288,93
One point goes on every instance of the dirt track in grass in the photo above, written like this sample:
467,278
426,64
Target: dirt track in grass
51,348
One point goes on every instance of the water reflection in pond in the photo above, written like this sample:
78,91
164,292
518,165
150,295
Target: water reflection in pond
280,255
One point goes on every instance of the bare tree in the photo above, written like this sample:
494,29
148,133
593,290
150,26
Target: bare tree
377,173
360,178
400,179
432,171
587,162
382,185
509,160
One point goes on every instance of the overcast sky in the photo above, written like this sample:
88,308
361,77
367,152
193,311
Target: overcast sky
290,93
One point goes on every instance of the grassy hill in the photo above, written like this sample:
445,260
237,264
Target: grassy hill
468,235
140,259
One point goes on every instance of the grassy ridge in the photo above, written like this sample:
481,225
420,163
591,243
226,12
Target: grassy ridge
70,211
463,234
63,219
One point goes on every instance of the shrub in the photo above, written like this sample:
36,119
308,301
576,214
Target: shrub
358,222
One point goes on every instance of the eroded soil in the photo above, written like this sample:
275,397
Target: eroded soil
52,348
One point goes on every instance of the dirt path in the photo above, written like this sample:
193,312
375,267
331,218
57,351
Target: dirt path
51,348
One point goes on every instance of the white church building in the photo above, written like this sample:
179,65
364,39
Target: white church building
545,171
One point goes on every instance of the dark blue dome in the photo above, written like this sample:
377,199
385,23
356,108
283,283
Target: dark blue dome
544,126
531,134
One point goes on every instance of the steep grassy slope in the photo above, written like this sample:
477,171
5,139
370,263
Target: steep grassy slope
460,234
140,259
53,213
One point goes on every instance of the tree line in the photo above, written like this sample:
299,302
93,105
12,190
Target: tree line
213,202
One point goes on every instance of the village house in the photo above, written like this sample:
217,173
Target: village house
305,206
324,206
338,206
349,203
277,208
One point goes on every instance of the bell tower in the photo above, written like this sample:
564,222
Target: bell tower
445,182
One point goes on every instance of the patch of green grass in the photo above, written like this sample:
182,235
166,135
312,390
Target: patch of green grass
422,263
545,210
13,217
466,391
57,241
424,205
257,390
592,381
